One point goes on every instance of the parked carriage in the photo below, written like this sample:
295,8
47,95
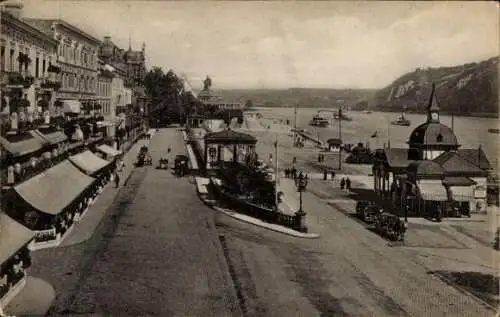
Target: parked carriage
367,210
163,164
181,165
390,226
144,157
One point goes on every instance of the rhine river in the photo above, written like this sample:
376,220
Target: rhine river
470,131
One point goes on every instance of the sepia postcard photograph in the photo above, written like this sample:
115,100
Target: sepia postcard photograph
249,158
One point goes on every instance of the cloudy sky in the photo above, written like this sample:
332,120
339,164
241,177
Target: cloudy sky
328,44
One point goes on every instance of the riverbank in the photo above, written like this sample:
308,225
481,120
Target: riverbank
446,113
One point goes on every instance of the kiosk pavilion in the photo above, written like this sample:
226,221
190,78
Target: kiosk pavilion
433,171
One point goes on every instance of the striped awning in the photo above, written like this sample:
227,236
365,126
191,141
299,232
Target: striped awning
54,137
108,150
433,192
25,146
71,106
13,236
54,189
88,162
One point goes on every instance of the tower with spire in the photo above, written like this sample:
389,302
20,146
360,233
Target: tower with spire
433,107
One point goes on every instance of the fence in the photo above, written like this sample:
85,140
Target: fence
232,202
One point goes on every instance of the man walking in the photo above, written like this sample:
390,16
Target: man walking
117,179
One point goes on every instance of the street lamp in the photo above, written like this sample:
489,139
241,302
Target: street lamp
301,182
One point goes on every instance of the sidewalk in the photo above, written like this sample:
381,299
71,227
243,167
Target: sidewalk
85,228
33,300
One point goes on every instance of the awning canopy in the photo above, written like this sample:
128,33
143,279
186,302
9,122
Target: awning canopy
89,162
71,106
51,136
462,193
108,150
458,181
51,191
21,145
13,236
113,122
433,192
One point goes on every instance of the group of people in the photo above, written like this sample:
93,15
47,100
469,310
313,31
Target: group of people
291,173
345,183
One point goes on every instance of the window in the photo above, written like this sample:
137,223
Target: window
37,67
43,68
11,61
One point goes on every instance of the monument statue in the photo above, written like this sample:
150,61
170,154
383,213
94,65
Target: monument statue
207,83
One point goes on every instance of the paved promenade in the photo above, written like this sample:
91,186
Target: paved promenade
349,270
155,253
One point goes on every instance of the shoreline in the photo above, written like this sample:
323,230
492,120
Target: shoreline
487,115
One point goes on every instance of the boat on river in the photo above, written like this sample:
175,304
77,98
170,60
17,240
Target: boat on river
342,116
493,130
318,121
402,121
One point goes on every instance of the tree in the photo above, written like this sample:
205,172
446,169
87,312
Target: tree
248,104
167,94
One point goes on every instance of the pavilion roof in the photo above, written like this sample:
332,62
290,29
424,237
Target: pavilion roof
230,137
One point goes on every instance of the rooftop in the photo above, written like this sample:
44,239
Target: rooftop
45,25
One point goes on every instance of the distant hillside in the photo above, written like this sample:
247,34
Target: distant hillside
470,89
304,97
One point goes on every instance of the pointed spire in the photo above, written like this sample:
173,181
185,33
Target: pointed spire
129,41
433,103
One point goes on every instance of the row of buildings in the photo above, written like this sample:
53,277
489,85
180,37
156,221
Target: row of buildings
52,65
68,100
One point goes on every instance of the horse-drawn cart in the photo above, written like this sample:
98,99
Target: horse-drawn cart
144,157
390,226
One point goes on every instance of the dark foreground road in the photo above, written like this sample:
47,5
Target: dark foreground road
156,253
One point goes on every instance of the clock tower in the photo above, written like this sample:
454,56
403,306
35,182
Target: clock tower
433,107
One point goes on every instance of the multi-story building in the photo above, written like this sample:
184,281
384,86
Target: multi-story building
104,89
28,64
77,56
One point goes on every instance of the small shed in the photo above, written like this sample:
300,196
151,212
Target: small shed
334,145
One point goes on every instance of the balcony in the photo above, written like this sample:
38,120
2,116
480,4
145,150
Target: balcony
50,84
19,80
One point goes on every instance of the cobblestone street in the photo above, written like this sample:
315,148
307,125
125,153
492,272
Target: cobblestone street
154,254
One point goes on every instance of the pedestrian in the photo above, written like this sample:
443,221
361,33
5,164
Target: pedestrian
348,184
117,179
342,183
325,175
319,158
333,174
120,165
169,149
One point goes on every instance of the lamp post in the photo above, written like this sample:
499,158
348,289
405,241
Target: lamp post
301,182
340,138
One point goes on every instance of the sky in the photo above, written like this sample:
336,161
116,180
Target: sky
328,44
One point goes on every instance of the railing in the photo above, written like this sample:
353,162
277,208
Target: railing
240,205
45,235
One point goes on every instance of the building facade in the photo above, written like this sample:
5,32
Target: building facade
104,89
28,65
77,56
434,172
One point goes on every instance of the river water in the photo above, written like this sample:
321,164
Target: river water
471,132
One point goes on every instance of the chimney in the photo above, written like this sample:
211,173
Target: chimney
15,9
